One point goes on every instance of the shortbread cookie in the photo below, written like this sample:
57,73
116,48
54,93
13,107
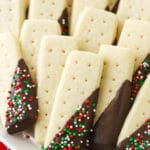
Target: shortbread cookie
46,9
95,27
133,9
114,96
118,67
12,14
80,78
31,35
135,132
135,35
18,91
75,133
52,57
79,5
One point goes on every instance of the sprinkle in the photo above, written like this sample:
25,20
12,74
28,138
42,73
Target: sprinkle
18,101
139,77
77,129
139,141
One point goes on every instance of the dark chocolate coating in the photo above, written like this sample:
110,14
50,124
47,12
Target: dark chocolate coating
30,102
141,132
64,22
114,9
108,127
87,123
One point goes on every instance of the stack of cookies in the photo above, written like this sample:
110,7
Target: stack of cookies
77,71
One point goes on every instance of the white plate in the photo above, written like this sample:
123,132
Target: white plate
17,141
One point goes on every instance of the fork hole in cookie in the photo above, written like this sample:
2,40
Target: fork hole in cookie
10,9
34,30
45,127
59,127
64,102
32,68
128,17
46,91
63,51
89,30
141,36
69,89
49,65
99,44
117,65
73,78
89,65
53,3
86,80
43,1
86,41
76,62
82,92
32,54
104,21
45,30
92,19
129,34
51,14
41,14
32,41
102,34
143,113
63,65
48,77
46,114
113,79
110,91
50,50
130,6
46,102
61,115
105,63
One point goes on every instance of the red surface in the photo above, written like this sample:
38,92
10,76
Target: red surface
2,146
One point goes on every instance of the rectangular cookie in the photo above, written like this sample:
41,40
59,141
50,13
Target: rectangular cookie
114,97
135,131
94,28
118,67
80,78
46,9
31,35
18,104
133,9
12,14
79,5
51,62
135,35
